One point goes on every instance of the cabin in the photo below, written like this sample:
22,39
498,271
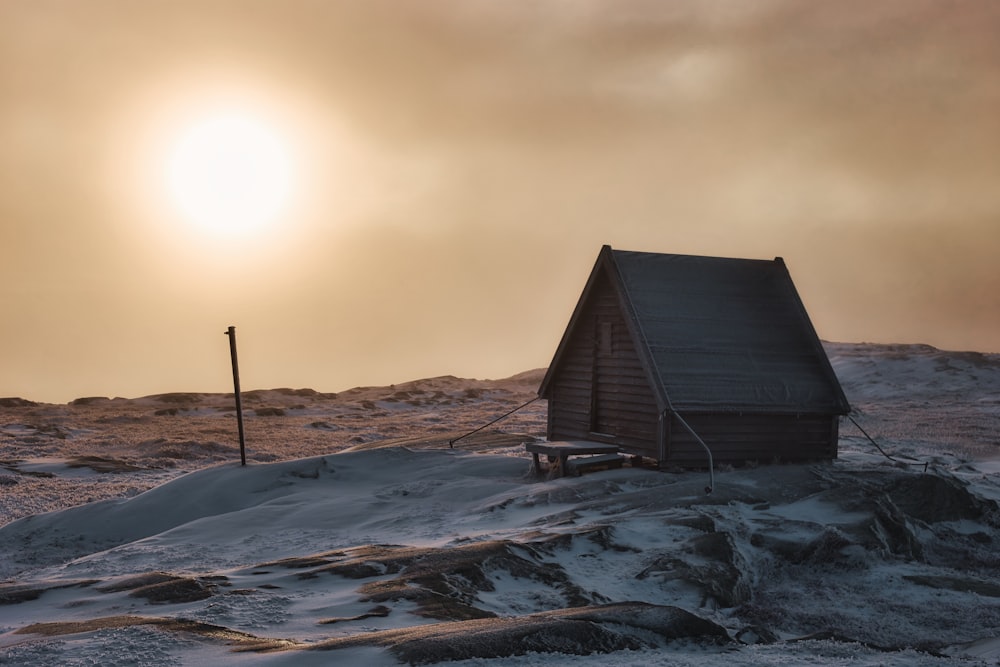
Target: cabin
667,356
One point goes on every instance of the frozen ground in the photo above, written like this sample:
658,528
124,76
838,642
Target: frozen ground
356,535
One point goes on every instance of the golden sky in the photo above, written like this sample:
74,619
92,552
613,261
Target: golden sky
450,169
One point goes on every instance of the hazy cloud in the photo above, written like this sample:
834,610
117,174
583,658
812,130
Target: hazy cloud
468,160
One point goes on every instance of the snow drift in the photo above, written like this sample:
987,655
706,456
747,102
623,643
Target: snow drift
421,554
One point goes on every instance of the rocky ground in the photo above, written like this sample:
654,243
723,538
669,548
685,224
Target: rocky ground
359,530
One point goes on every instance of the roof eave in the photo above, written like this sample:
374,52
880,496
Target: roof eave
706,409
603,258
843,406
638,335
606,263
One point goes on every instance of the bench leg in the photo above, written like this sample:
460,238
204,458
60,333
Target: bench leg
536,463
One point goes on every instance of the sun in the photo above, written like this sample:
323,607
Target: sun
229,173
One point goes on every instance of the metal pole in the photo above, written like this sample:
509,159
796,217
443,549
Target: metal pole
711,463
231,332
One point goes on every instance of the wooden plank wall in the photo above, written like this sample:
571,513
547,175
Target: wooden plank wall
739,439
600,391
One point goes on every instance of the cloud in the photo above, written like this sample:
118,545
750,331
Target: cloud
470,157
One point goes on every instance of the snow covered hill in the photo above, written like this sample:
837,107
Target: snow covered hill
382,555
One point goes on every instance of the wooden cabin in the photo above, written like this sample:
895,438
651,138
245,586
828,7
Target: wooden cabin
663,350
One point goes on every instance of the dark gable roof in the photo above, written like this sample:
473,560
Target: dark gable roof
718,334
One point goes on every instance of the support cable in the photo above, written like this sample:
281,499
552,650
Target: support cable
882,451
451,443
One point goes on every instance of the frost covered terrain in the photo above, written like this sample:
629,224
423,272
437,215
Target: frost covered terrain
130,534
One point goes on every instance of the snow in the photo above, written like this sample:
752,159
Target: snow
393,547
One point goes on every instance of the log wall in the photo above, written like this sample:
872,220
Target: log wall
739,439
601,391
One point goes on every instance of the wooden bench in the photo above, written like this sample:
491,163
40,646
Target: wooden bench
558,454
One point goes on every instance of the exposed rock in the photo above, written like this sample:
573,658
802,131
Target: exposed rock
579,631
161,587
177,397
755,634
719,570
961,584
933,498
380,611
101,464
16,593
891,529
445,583
242,640
89,400
15,402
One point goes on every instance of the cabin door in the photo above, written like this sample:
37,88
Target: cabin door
603,419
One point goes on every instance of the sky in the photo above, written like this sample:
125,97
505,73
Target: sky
449,170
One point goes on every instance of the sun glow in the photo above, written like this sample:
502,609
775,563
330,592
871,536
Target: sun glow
230,173
233,177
